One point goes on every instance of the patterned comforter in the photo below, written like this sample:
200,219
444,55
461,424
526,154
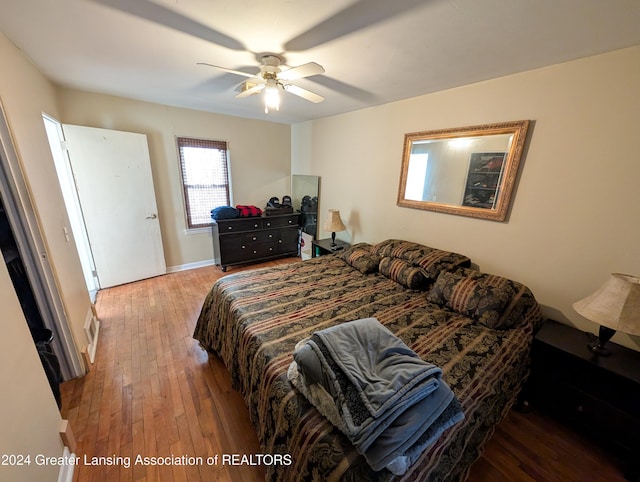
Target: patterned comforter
254,319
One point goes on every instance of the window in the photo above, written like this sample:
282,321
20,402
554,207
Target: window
205,178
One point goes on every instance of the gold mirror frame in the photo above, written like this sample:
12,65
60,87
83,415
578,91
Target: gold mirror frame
460,157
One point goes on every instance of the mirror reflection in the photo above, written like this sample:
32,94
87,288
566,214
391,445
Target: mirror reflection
468,171
304,193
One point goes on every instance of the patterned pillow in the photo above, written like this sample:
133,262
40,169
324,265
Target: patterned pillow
431,260
404,273
484,297
360,257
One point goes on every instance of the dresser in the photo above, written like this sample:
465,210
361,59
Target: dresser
598,395
251,240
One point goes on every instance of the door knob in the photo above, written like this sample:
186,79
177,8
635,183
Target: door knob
153,216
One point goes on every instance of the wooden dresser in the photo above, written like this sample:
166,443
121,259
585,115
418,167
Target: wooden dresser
251,240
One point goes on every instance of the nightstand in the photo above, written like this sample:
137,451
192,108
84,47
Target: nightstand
598,395
323,246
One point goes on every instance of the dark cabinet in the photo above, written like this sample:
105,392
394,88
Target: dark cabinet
249,240
598,395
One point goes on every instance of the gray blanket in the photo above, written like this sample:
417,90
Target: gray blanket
390,403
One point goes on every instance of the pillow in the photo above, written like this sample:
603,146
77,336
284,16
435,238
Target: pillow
359,256
486,298
404,273
431,260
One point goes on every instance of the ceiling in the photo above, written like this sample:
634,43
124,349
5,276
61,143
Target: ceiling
373,51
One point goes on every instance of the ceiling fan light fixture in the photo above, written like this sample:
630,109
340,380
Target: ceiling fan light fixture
271,96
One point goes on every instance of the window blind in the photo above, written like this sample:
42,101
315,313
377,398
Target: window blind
205,178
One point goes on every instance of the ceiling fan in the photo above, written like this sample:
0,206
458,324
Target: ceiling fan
272,79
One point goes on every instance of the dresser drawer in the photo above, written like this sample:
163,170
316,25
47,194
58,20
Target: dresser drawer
239,225
260,250
597,415
264,236
280,221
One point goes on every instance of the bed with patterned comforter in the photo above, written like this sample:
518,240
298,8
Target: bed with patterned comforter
476,327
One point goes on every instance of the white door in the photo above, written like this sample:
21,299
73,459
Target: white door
112,171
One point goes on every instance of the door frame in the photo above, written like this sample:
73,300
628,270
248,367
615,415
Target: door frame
62,163
33,253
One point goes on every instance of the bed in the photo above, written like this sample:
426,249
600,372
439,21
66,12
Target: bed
476,327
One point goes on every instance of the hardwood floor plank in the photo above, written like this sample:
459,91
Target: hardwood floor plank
154,391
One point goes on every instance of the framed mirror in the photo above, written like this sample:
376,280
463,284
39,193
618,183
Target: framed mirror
468,171
304,193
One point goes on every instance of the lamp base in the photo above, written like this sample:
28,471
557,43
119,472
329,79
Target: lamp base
598,346
598,349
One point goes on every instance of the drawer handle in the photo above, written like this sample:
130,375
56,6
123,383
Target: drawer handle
290,221
268,224
271,235
255,252
255,225
280,241
243,247
229,228
254,238
270,249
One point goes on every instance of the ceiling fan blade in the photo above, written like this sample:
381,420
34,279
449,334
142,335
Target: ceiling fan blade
304,70
231,71
252,90
304,93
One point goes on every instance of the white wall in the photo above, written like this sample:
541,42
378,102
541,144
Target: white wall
575,211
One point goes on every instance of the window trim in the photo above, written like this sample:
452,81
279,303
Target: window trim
204,227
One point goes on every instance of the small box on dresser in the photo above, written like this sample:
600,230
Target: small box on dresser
598,395
255,239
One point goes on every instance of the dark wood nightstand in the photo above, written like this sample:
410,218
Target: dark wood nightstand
598,395
323,246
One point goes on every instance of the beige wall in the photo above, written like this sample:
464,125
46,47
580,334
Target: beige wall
29,415
259,152
575,212
26,95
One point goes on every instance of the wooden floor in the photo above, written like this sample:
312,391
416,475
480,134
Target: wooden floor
153,392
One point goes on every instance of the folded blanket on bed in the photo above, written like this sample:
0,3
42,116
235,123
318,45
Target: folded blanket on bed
388,401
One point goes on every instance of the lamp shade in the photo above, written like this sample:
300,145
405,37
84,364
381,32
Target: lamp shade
615,305
334,223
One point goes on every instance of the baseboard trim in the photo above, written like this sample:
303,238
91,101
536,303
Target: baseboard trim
66,470
66,435
92,330
185,267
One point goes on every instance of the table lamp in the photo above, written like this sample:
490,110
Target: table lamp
615,306
333,224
